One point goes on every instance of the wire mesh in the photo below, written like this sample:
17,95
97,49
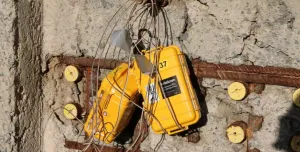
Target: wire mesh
149,27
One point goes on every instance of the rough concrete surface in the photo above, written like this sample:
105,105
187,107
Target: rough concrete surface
7,102
239,32
33,32
21,46
56,127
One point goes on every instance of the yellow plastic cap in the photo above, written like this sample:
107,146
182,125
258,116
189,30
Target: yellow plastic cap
70,111
296,97
236,134
237,91
71,73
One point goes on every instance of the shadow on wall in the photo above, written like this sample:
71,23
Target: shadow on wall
127,134
201,94
289,126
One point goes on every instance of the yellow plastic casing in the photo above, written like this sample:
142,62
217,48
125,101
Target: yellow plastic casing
173,77
111,114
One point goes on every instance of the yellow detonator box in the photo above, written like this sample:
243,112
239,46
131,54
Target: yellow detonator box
111,112
168,93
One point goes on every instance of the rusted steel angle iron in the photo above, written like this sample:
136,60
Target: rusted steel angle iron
80,146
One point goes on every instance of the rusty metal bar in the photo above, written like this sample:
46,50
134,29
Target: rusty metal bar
80,146
87,91
88,62
248,73
248,68
90,84
245,73
144,133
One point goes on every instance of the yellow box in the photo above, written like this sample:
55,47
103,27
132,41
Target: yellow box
109,110
178,97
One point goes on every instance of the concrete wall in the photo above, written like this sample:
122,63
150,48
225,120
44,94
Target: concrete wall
7,17
28,76
21,46
238,32
259,32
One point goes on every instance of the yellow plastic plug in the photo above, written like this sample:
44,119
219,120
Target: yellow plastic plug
71,73
296,97
70,111
236,132
237,91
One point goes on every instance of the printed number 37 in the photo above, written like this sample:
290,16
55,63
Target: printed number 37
163,64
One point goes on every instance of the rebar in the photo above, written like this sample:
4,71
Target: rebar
90,85
248,73
88,89
245,73
139,139
88,62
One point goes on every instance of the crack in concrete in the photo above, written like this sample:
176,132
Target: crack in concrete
262,45
58,118
82,8
184,31
248,36
186,23
17,89
285,54
242,49
203,3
